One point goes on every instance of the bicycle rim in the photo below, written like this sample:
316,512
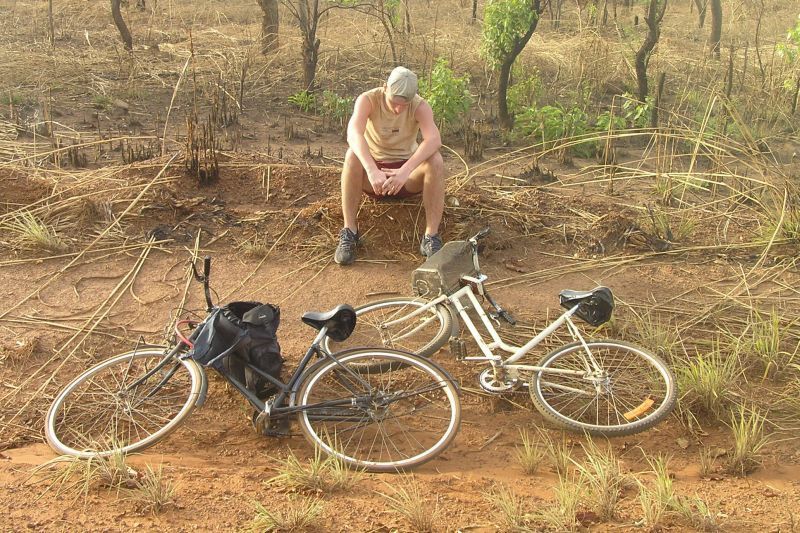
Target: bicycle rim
636,391
422,335
100,412
379,422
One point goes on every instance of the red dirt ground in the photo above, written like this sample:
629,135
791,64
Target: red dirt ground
219,464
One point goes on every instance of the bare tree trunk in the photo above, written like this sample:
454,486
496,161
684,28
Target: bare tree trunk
269,25
387,27
308,11
506,120
474,10
716,28
655,13
119,22
662,77
701,11
51,28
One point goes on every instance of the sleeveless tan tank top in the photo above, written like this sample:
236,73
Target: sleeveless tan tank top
391,137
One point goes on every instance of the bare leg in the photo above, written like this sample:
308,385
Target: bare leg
353,176
429,178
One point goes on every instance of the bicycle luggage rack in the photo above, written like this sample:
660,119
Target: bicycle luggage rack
442,272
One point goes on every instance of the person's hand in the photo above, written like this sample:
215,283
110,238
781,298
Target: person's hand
395,179
377,179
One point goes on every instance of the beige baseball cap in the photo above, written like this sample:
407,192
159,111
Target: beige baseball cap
402,82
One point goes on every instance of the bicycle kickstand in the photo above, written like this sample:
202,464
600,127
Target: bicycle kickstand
499,311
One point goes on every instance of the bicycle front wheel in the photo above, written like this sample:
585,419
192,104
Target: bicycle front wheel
380,422
422,335
123,404
631,390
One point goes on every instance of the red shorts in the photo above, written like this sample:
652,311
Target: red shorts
402,193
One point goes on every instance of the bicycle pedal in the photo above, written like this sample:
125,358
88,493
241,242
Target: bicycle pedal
269,432
270,427
458,348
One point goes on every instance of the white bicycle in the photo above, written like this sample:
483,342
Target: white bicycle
602,387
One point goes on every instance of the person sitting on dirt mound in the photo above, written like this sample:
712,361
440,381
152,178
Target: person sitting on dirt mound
384,159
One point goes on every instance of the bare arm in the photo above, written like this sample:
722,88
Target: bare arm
358,144
431,139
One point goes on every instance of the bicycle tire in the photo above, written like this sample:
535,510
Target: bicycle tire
367,420
624,409
436,327
66,427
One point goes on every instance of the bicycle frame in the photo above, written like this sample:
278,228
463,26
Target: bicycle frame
275,405
517,352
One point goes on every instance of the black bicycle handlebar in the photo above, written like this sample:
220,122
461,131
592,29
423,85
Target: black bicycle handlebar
204,280
481,234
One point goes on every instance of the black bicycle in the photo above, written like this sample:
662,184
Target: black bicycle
374,420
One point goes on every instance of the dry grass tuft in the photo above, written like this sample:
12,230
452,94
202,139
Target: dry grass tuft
658,501
531,453
560,454
747,429
66,474
300,514
409,500
602,475
563,514
763,341
29,231
707,382
320,474
657,333
510,508
153,492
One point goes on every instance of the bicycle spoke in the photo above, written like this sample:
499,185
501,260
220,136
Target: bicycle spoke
403,412
628,386
102,412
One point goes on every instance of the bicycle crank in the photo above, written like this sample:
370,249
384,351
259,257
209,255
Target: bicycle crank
491,382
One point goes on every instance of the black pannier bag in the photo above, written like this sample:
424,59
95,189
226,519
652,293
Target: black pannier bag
239,333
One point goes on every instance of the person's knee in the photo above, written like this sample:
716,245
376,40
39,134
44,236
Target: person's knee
436,166
352,166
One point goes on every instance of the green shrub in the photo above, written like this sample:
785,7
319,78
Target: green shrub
447,94
303,100
525,92
554,123
336,107
791,48
608,120
636,113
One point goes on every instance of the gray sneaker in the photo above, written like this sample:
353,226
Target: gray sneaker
346,251
430,245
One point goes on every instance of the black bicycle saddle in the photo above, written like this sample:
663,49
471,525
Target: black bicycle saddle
341,321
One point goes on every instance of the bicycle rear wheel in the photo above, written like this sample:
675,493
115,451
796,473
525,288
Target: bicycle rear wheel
122,404
422,335
633,390
381,422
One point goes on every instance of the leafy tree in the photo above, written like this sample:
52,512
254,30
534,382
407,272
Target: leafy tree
447,94
507,27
